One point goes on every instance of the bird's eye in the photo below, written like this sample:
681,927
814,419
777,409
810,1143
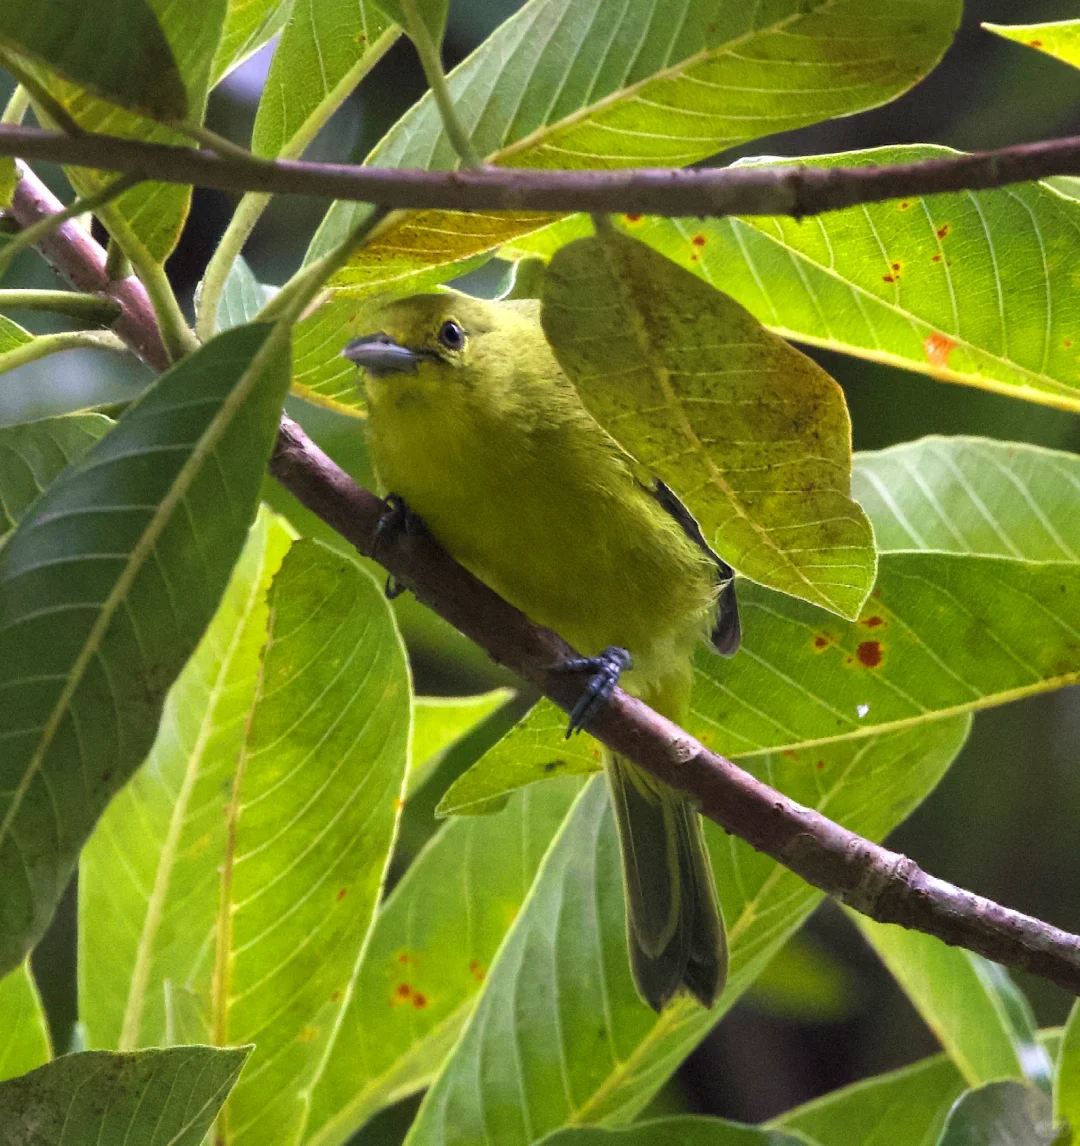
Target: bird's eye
451,335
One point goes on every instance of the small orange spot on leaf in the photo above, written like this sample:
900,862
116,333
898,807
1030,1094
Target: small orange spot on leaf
935,258
404,958
335,996
632,218
419,1001
943,230
872,622
698,240
903,205
938,348
821,642
476,970
1035,43
342,893
888,278
820,765
399,803
791,754
869,653
307,1035
402,994
896,267
1067,343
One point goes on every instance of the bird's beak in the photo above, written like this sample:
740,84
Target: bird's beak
379,354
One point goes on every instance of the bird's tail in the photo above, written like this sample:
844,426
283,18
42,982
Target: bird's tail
675,933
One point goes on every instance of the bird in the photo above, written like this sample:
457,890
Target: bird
474,427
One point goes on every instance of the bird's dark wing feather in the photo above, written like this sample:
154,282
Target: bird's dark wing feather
726,632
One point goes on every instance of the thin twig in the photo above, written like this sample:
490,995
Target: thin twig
881,884
766,190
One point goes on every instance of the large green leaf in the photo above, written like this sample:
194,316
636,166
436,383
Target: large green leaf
586,83
1067,1076
752,435
106,586
148,877
32,454
248,25
684,1130
24,1032
440,722
115,48
905,1107
559,1036
430,950
311,821
980,1018
325,49
1000,1114
973,287
1060,39
153,1098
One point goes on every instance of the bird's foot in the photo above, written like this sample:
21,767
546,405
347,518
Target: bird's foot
398,517
605,671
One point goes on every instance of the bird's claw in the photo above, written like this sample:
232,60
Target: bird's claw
605,671
398,516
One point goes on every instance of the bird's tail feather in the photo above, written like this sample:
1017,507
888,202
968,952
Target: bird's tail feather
674,930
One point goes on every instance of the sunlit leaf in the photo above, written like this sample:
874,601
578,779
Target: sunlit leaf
439,722
115,48
8,180
249,24
311,820
1060,40
753,436
685,1130
325,50
1000,1114
585,83
34,453
149,875
106,586
24,1032
154,1098
560,1036
971,1006
430,950
1067,1076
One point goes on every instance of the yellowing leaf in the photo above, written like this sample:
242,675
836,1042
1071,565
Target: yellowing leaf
1060,40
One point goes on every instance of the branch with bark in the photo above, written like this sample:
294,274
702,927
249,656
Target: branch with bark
884,885
781,189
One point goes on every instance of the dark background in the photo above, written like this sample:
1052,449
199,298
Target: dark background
1002,823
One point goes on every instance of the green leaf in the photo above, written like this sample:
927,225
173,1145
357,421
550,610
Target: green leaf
24,1031
807,983
905,1107
753,436
154,1098
249,24
684,1130
148,877
560,1035
430,949
106,586
114,48
34,453
12,335
1060,40
439,722
1000,1114
972,495
326,48
430,13
584,83
242,298
8,180
147,219
1067,1075
974,287
311,822
972,1007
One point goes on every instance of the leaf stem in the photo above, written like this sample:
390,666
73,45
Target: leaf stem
84,307
45,344
17,106
428,51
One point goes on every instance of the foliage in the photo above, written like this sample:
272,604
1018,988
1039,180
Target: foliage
215,718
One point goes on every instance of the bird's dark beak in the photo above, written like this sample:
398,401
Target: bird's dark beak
379,354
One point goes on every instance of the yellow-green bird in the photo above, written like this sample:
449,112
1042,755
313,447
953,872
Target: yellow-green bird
472,423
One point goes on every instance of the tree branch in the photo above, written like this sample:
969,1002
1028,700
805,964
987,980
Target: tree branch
767,190
879,883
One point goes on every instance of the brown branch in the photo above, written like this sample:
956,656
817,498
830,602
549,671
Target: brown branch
879,883
767,190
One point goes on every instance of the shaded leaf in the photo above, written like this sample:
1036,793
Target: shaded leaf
972,1010
905,1107
34,453
242,297
684,1130
439,722
114,48
149,875
24,1031
1060,39
1000,1114
155,1098
753,436
311,821
560,1035
430,950
249,24
430,13
584,83
106,586
325,50
805,982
